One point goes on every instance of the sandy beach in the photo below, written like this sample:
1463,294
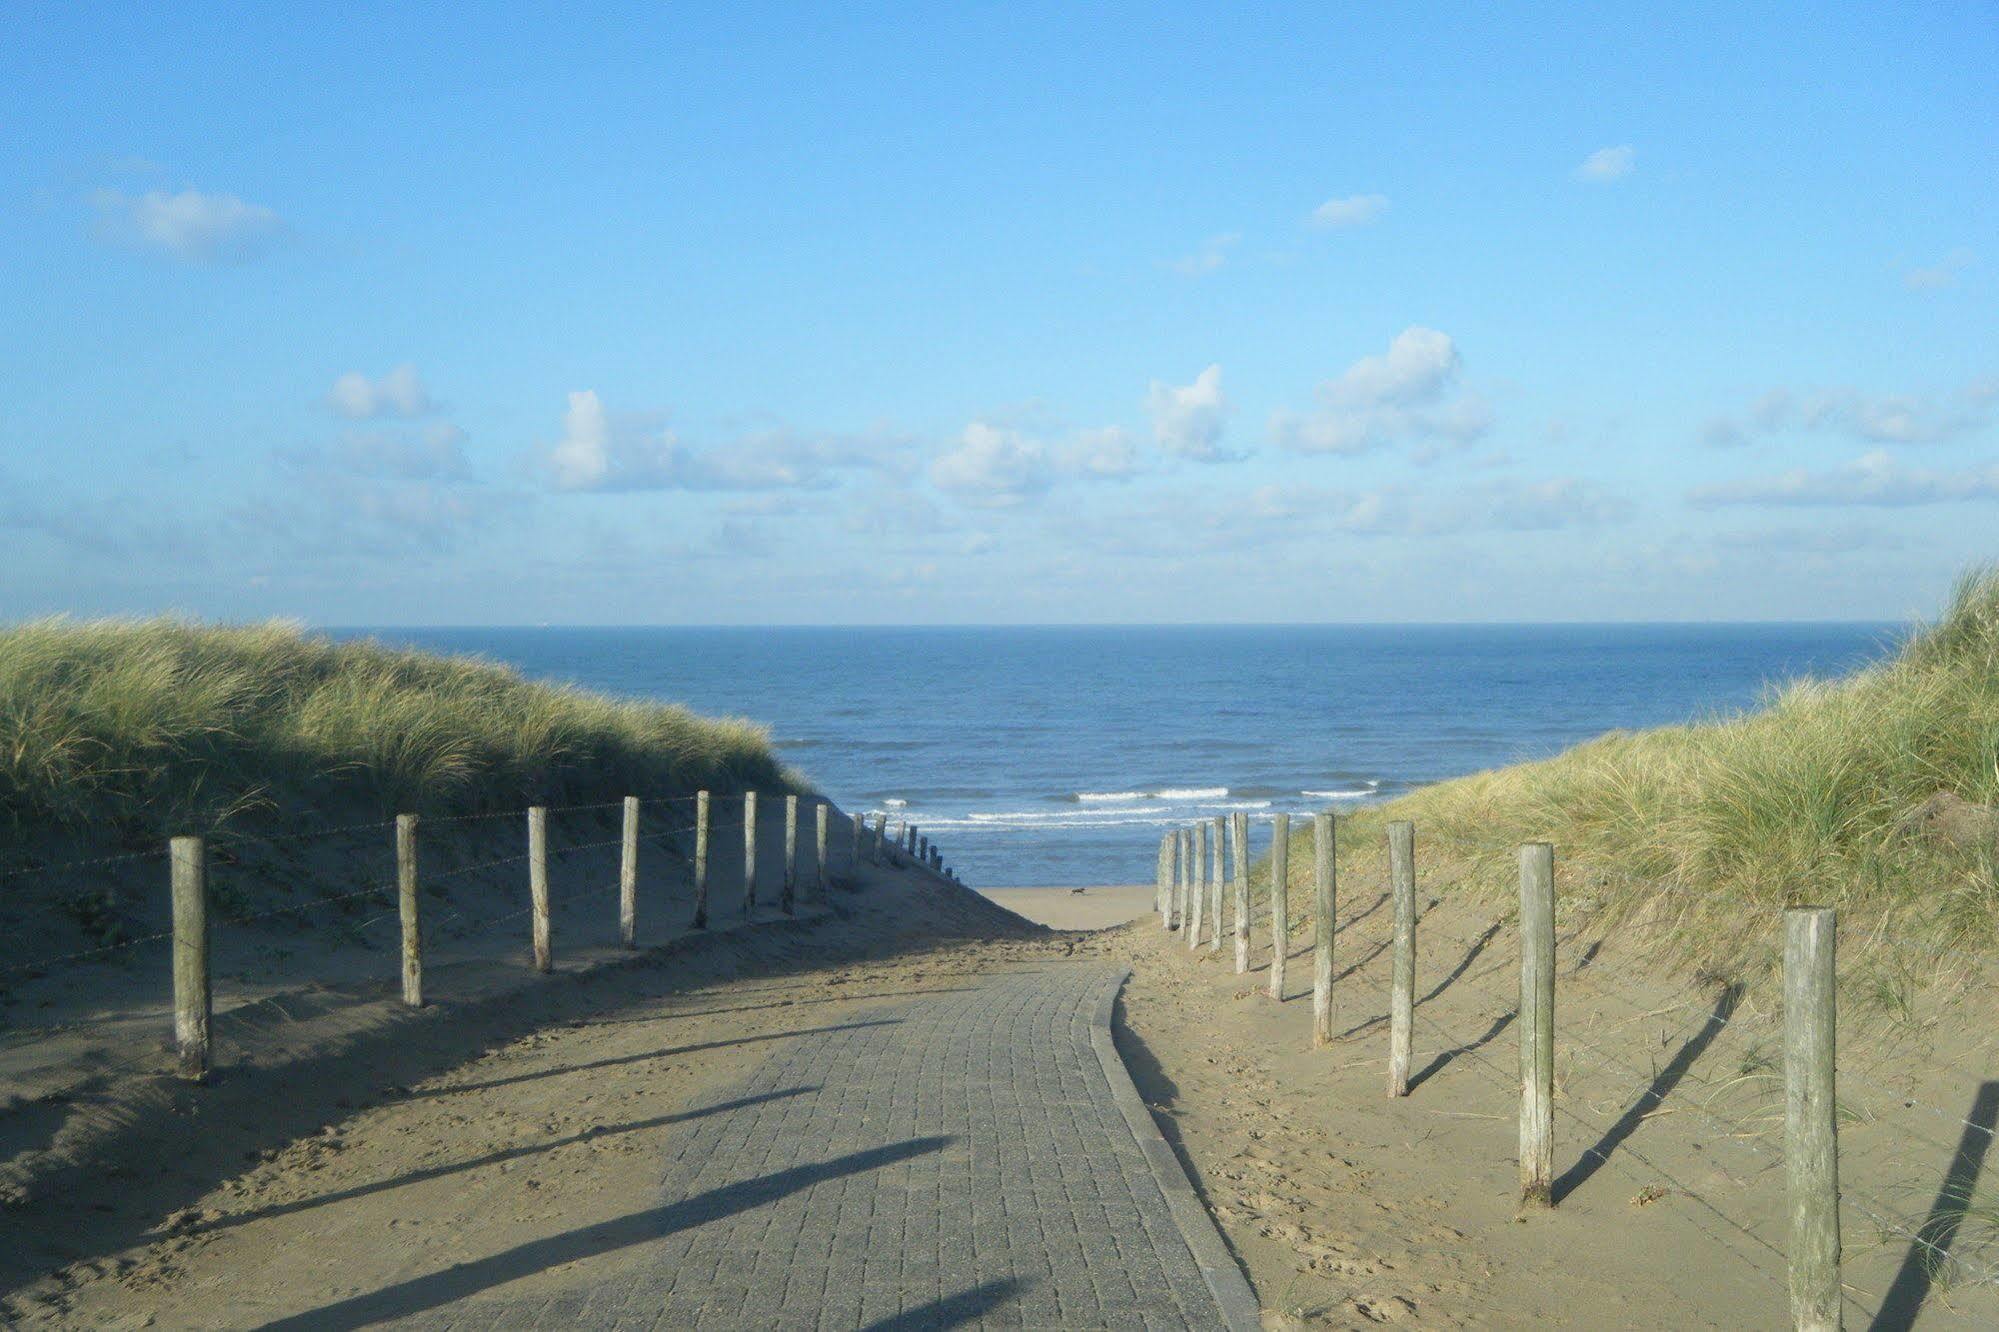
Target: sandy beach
1098,908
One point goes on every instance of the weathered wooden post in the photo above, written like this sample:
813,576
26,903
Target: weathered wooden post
406,908
1537,1025
1197,900
909,839
1402,981
700,860
1239,843
1325,899
1280,906
628,876
194,1002
1184,893
789,894
538,884
1216,883
1811,1126
1161,888
749,853
821,813
880,843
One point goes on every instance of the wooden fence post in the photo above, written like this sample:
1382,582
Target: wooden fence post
1216,882
1280,906
788,901
1537,1025
538,884
1402,980
193,1000
1187,864
628,877
1239,843
1325,900
700,860
749,854
1161,869
1811,1126
1197,899
821,812
880,843
406,908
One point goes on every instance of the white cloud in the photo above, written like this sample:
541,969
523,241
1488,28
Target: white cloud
1409,393
1874,479
993,468
599,452
1896,418
1187,419
434,454
1353,211
1606,164
1106,453
400,392
1214,252
1943,273
190,226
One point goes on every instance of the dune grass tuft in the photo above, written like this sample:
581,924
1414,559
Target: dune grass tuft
122,731
1701,831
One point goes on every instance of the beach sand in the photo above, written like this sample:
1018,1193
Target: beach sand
478,1131
1076,909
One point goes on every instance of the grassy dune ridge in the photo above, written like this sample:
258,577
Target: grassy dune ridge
121,731
1702,831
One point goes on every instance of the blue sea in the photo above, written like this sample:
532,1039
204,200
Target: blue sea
1055,756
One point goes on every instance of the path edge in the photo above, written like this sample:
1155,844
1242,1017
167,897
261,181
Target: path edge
1241,1310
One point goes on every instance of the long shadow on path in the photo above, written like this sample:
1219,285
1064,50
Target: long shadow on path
951,1310
468,1279
616,1061
491,1158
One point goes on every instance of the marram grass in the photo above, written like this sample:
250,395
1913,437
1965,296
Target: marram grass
1698,834
123,731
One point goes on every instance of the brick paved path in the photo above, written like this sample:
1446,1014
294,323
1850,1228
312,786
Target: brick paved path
965,1159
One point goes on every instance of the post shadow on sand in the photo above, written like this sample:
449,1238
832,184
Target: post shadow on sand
1443,1060
1939,1229
590,1134
1663,1082
464,1280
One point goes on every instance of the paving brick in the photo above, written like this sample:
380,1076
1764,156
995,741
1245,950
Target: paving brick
958,1161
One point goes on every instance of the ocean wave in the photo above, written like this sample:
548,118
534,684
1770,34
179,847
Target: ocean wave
894,803
1192,792
1354,793
1105,796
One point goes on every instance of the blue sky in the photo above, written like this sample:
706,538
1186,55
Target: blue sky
680,314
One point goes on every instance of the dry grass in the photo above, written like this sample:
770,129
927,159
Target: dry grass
121,731
1700,832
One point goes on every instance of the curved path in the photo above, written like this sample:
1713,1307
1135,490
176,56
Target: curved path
977,1157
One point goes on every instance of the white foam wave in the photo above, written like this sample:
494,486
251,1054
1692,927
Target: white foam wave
1339,795
1192,792
1110,795
893,803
